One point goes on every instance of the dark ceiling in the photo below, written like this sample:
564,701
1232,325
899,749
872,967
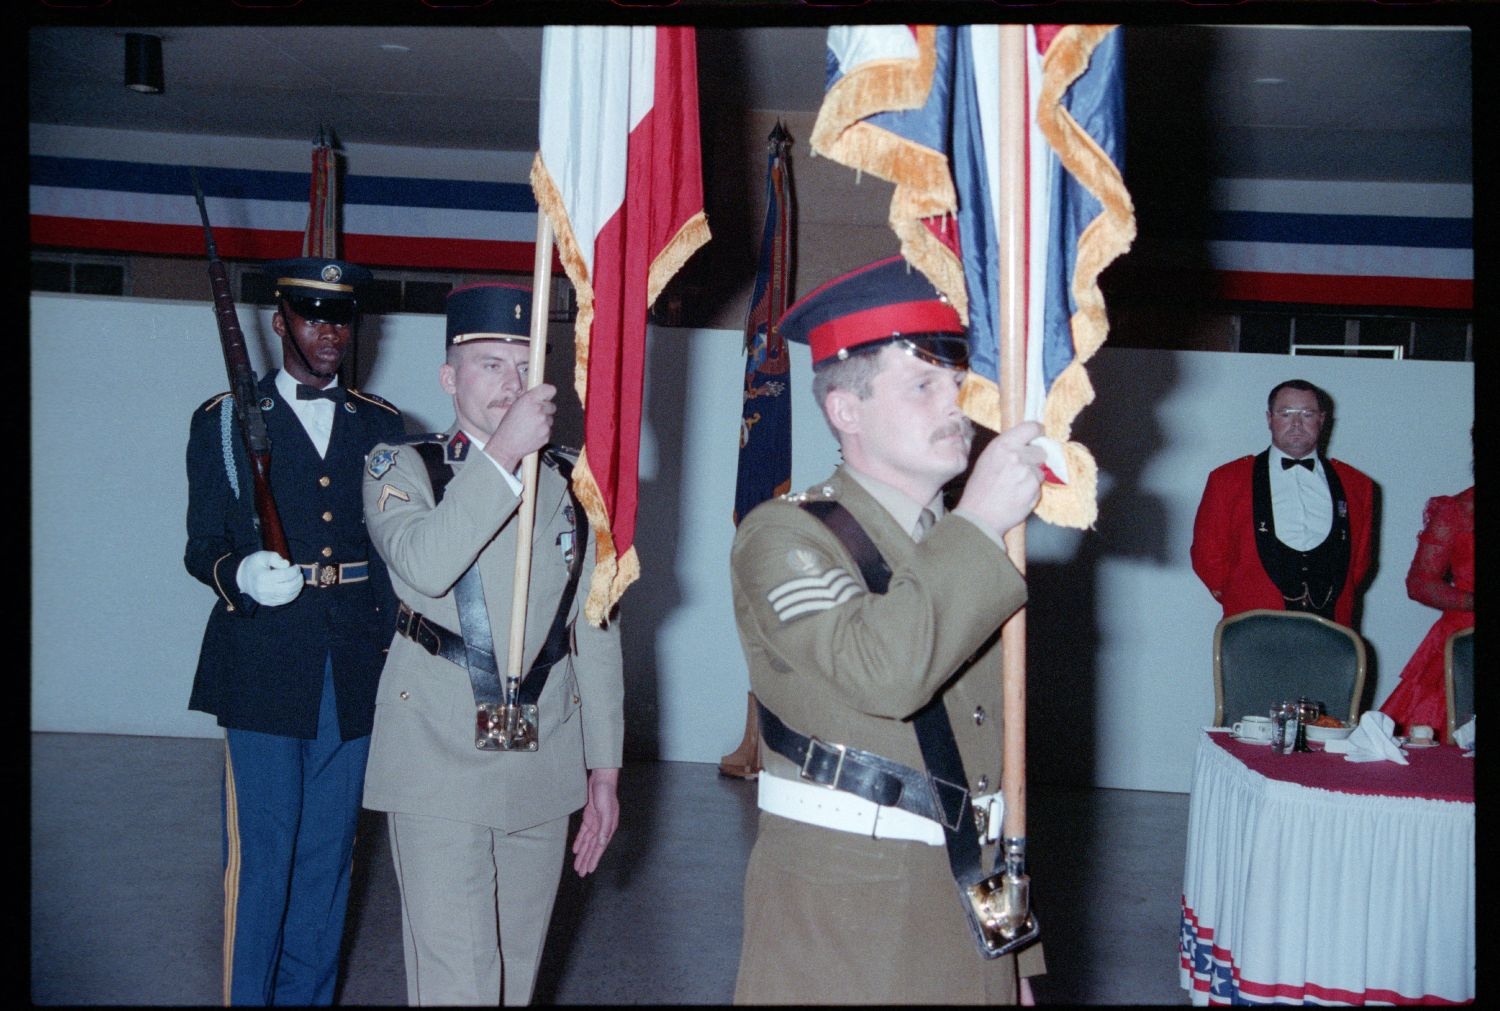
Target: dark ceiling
1269,101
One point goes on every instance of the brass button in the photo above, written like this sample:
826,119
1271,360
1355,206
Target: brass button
327,552
983,785
979,715
328,517
324,481
405,695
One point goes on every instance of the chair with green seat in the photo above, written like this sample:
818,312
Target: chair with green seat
1458,675
1264,657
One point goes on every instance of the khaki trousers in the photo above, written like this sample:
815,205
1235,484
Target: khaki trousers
475,905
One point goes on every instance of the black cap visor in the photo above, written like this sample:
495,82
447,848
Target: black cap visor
949,351
339,311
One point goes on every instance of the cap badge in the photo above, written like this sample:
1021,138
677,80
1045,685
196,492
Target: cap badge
332,273
518,310
802,560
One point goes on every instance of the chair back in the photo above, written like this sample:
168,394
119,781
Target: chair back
1264,657
1458,675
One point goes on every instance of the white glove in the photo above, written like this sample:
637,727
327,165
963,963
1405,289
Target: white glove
269,579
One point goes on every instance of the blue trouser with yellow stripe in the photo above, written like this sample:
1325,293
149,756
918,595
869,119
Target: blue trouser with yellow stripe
291,807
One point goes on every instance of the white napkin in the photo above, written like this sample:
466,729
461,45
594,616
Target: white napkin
1464,735
1371,741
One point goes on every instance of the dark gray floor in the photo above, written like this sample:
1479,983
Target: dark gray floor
126,887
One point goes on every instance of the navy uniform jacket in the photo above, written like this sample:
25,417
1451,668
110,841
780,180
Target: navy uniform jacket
261,668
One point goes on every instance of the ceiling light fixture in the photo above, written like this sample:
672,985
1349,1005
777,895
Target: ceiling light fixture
143,63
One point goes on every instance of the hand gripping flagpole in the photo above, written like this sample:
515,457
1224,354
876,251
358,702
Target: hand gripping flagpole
1017,923
514,721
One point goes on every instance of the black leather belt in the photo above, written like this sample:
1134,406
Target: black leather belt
863,773
431,636
321,574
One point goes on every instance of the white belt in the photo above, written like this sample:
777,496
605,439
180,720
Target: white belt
835,809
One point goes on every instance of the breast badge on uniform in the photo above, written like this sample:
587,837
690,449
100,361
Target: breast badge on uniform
381,462
266,403
390,491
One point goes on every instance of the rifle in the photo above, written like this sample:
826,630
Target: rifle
242,386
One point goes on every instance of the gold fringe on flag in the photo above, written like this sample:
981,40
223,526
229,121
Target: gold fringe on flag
923,181
613,572
1103,240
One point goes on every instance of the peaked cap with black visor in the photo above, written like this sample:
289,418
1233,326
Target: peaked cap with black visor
884,303
320,290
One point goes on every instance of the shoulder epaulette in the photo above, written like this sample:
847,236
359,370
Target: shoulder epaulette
561,459
213,401
822,491
411,440
373,399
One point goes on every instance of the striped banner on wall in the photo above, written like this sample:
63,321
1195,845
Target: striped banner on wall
388,221
1341,243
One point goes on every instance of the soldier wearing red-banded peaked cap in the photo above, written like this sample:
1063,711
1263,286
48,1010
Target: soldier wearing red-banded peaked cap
868,613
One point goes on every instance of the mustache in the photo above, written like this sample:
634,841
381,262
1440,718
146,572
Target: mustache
963,427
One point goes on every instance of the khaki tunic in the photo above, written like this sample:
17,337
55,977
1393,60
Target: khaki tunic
831,916
422,755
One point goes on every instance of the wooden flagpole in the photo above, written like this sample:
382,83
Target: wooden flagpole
541,293
1012,354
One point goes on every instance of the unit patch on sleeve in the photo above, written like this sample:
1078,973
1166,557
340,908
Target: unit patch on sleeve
381,462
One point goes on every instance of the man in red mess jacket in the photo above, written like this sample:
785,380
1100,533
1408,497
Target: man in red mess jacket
1290,528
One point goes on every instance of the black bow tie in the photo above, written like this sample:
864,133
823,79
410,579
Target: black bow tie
1287,463
334,393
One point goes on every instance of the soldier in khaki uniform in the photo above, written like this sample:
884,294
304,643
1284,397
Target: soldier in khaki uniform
849,897
478,836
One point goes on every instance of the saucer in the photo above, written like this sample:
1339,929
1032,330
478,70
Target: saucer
1249,740
1420,744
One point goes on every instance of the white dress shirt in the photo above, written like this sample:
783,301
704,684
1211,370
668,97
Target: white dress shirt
1301,504
316,415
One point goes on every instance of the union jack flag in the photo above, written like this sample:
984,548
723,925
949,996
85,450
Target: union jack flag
918,105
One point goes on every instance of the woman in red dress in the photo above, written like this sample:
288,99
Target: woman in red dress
1441,576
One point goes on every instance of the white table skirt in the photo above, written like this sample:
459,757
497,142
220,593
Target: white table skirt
1293,894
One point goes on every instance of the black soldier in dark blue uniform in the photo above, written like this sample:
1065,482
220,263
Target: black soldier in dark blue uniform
294,647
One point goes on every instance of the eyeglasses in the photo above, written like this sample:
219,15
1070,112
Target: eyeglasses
1305,413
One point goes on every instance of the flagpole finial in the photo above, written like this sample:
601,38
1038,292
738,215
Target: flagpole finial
778,136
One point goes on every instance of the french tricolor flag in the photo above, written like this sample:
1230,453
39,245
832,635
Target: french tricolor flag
619,175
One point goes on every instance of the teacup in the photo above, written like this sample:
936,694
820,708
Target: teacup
1253,728
1420,734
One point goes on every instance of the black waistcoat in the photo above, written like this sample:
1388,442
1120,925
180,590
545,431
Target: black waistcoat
1308,580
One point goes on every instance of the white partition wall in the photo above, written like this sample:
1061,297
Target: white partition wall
1120,629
